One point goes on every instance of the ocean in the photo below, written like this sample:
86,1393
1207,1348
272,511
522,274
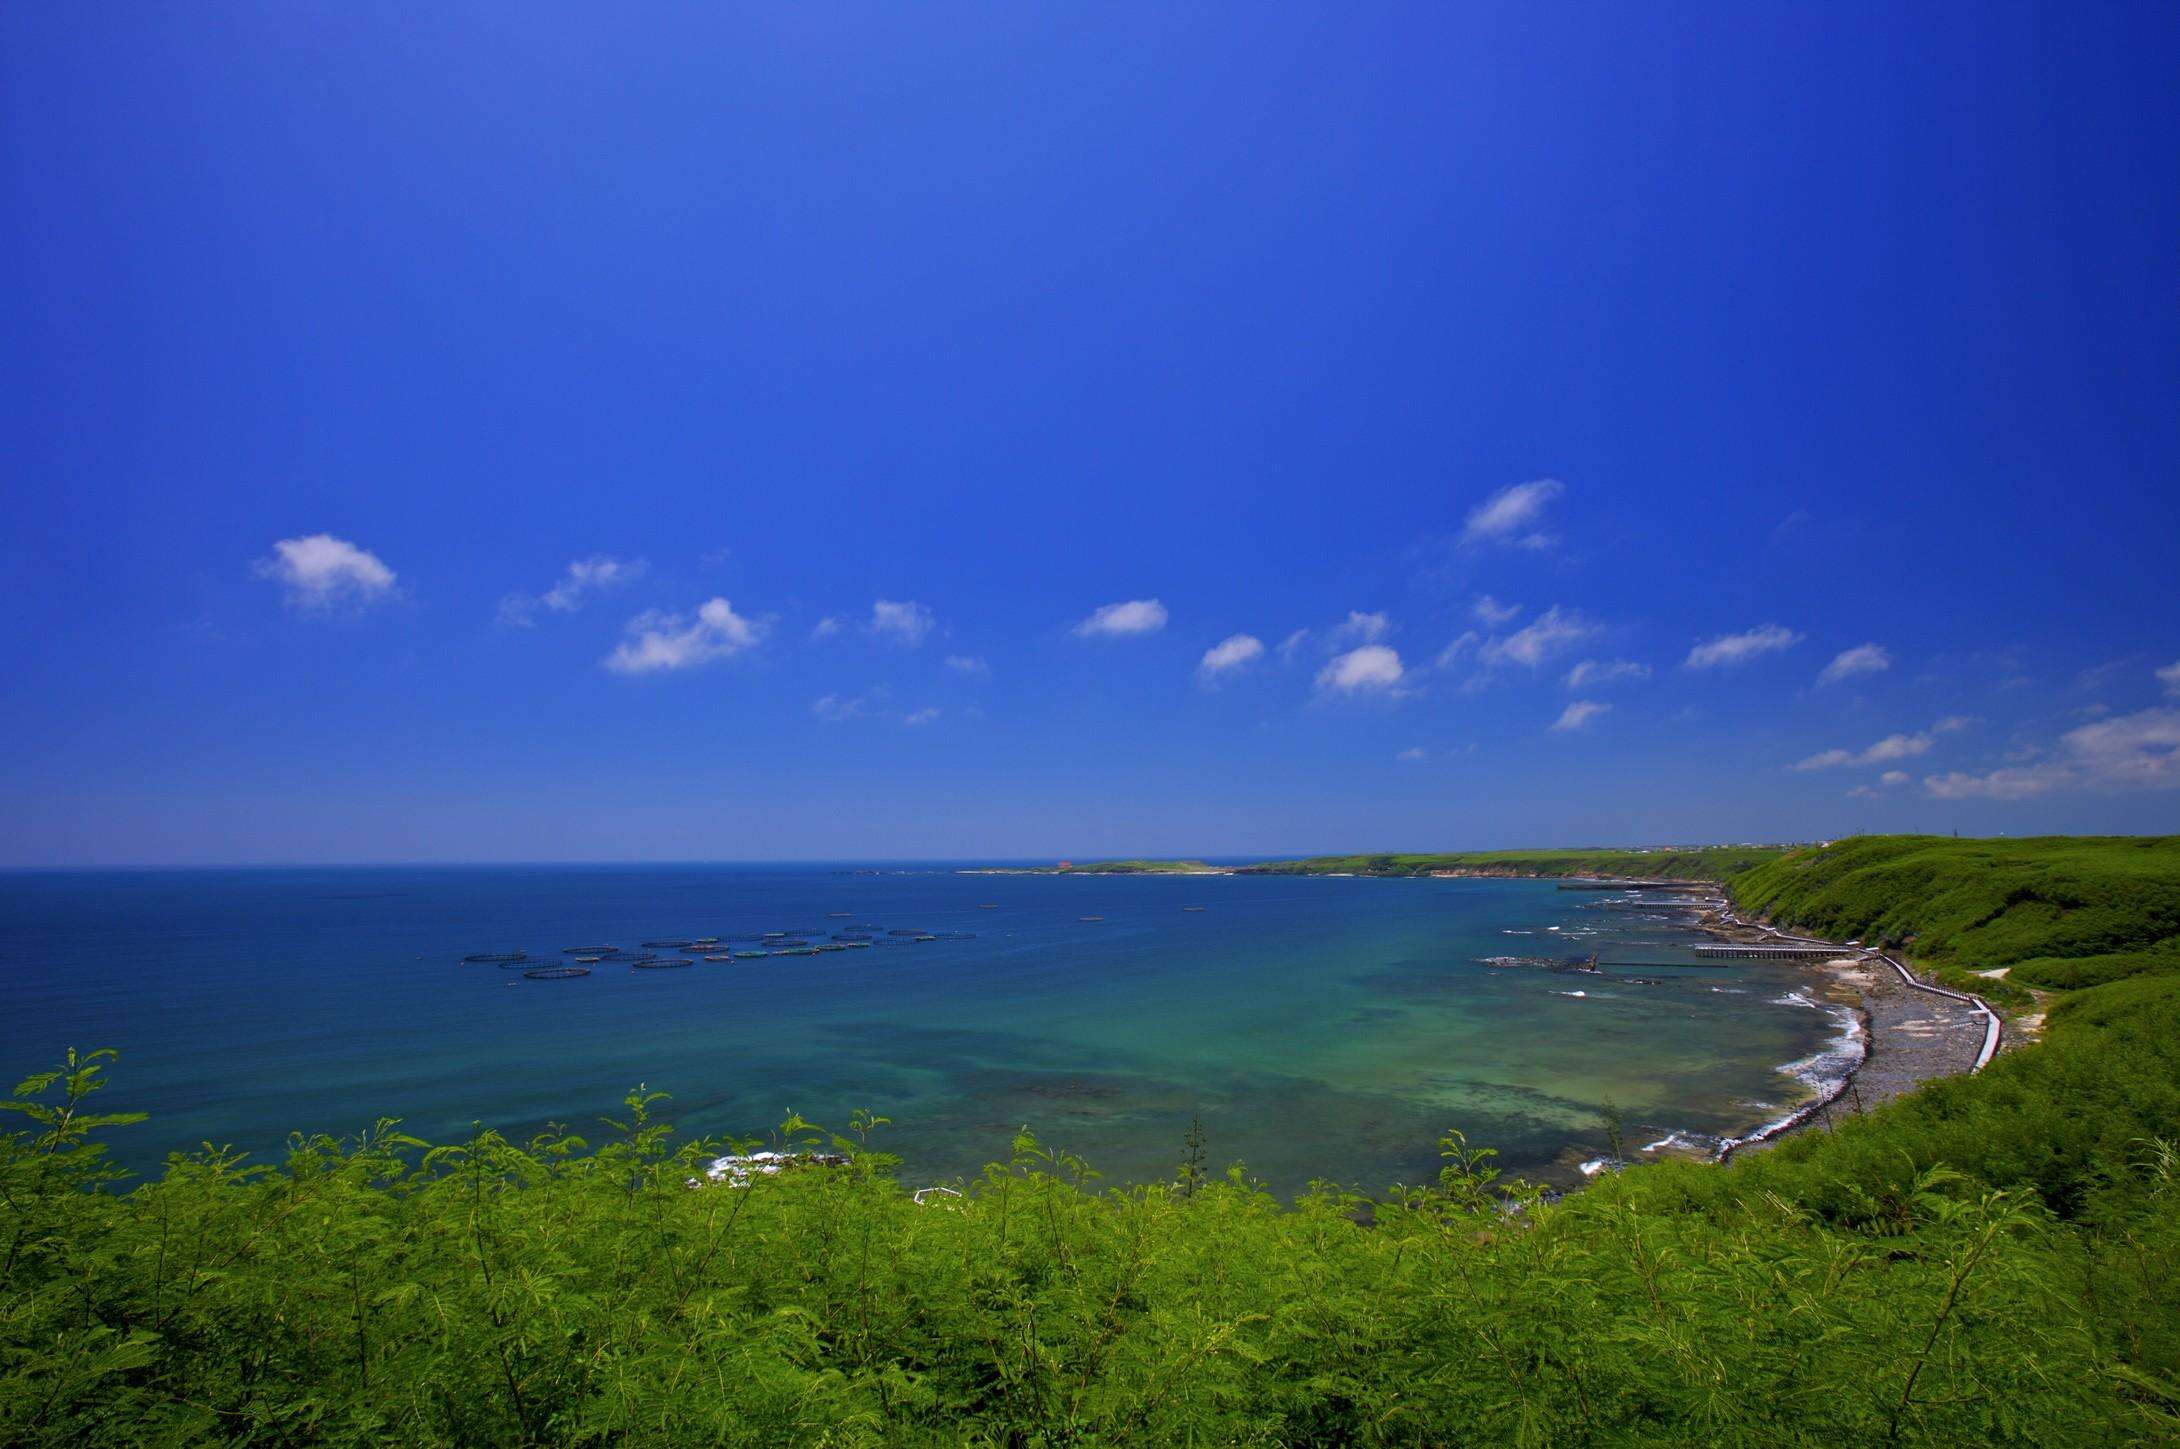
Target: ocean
1320,1028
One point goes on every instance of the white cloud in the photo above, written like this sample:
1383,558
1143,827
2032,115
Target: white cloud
1510,515
1136,616
968,664
1453,653
1890,748
675,641
1862,659
919,717
902,622
1236,651
1578,714
2132,752
2169,676
1413,755
321,573
834,708
2139,751
1549,633
1491,613
1358,628
825,628
2011,783
1613,671
1373,668
1954,723
1292,645
1893,777
1731,649
586,576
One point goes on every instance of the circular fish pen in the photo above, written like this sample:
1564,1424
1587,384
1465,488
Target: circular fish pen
666,945
661,963
588,950
556,973
778,941
898,931
497,957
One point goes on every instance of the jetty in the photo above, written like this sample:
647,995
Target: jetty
1771,951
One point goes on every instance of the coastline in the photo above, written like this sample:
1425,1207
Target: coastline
1904,1031
1896,1031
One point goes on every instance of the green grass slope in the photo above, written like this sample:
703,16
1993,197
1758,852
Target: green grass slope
2060,911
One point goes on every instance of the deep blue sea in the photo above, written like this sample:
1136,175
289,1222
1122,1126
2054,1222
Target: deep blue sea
1322,1028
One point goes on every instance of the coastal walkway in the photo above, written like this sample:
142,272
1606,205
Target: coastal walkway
1915,1031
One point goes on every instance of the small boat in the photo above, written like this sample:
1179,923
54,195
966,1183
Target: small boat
1192,908
498,956
554,973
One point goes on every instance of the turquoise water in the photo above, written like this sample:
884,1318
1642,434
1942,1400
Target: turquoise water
1323,1028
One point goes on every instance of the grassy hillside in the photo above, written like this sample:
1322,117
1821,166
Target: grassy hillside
2059,911
1708,862
1991,1259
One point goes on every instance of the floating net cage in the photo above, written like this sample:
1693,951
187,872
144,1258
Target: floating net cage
954,935
721,956
662,963
497,957
777,941
516,963
589,950
556,973
665,945
901,931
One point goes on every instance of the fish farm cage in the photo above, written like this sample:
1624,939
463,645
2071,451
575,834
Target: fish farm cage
556,973
590,950
496,957
662,963
666,945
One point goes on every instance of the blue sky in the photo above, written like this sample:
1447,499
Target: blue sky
497,432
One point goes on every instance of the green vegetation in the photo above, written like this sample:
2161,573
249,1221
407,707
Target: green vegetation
1702,862
2061,911
1991,1259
